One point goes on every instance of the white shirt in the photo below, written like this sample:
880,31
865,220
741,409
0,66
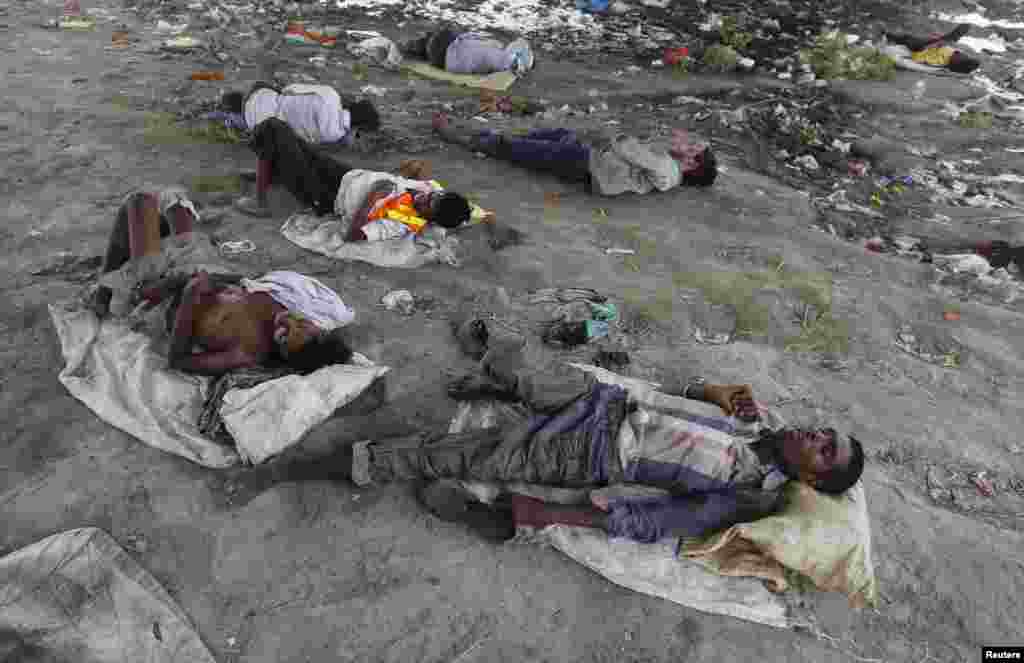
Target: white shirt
314,112
355,188
305,295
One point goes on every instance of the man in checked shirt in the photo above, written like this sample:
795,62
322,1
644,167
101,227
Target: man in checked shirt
584,434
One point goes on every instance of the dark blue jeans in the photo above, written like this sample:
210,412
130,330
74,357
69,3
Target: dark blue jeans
555,151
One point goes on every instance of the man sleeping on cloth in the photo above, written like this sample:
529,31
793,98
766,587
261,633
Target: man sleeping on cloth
282,317
371,205
585,434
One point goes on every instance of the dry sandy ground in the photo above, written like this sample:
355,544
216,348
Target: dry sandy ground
322,572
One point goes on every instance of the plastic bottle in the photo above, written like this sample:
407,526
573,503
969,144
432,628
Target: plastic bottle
919,89
207,76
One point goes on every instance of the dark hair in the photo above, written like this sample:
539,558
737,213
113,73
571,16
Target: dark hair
452,211
233,102
962,64
329,347
706,173
364,115
261,85
840,479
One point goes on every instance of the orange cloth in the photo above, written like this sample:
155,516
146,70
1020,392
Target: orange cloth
399,208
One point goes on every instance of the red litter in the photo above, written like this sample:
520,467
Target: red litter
857,168
983,484
876,244
674,56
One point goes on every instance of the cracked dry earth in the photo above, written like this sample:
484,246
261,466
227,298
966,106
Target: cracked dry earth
325,572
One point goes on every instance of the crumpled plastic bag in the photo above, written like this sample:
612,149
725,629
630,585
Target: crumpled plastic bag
380,50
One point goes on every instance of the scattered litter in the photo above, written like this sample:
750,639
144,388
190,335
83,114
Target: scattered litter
620,252
237,247
399,300
592,6
612,360
163,27
318,61
375,91
571,334
706,338
993,43
674,56
807,162
184,43
207,76
379,50
975,18
983,484
970,263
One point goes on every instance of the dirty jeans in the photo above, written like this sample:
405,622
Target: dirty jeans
569,447
555,151
471,54
303,169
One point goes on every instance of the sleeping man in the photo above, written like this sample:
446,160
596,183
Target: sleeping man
281,317
583,434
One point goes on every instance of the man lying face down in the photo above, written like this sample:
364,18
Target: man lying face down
239,323
371,205
622,165
470,53
585,434
314,112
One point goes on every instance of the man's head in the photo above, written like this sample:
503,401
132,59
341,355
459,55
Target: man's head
820,458
446,209
364,115
306,347
696,160
704,169
325,349
233,102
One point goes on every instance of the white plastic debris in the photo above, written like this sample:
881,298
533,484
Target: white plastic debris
399,300
746,63
807,162
975,18
381,49
970,263
993,43
374,90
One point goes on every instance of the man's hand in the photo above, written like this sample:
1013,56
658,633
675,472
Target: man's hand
734,399
599,501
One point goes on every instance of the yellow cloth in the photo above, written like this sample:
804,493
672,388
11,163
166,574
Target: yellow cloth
937,57
825,538
499,81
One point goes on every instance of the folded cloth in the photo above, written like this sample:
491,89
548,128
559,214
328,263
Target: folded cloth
499,82
78,596
326,236
305,295
211,423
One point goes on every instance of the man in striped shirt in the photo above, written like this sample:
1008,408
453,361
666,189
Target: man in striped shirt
584,434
